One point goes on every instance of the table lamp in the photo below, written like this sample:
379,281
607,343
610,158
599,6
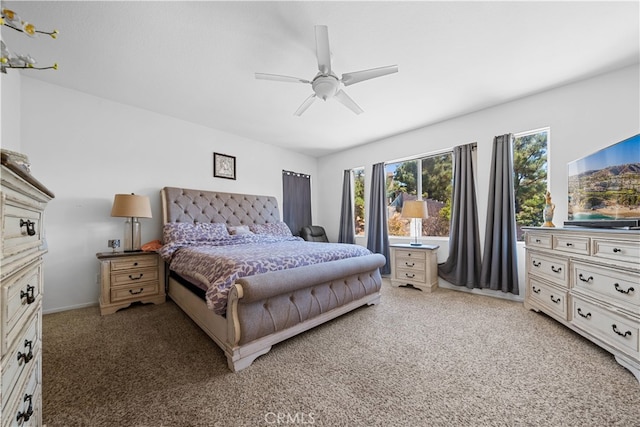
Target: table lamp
415,209
132,207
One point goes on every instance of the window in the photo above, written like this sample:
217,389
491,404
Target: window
427,178
358,200
530,177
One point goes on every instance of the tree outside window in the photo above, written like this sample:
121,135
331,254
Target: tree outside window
530,178
428,178
358,200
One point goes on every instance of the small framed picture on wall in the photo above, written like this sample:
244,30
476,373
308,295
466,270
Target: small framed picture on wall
224,166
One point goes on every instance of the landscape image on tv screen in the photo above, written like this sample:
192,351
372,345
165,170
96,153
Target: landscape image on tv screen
606,185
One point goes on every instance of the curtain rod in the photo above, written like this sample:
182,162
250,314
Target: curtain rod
304,175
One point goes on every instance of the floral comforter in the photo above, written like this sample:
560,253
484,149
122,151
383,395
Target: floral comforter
220,263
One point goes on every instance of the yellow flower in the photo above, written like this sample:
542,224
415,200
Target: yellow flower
10,14
29,29
54,34
55,66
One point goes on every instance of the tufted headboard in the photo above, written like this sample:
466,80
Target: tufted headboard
186,205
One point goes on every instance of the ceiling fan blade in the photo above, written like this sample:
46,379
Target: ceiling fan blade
348,102
307,102
279,78
358,76
322,49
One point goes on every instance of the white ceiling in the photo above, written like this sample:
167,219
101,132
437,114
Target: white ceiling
196,60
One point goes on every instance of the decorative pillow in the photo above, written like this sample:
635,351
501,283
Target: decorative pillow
239,230
274,229
188,232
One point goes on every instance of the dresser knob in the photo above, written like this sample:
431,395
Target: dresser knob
557,301
132,292
31,229
136,278
586,316
28,295
590,278
556,270
25,416
616,250
622,291
615,329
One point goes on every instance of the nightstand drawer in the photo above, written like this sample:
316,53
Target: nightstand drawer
406,253
21,296
132,293
130,277
410,275
134,262
410,264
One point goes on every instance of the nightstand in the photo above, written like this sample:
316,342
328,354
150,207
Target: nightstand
128,277
414,265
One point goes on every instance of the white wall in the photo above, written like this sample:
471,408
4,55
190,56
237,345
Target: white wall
10,110
583,118
86,149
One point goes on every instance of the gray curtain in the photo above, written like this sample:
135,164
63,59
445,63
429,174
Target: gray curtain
347,232
499,264
377,233
296,200
462,267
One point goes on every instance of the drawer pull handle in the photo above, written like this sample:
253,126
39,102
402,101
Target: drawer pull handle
557,301
132,292
136,278
25,416
538,264
28,295
31,226
410,276
135,264
26,357
586,316
569,244
615,329
587,280
622,291
538,241
616,250
409,265
535,290
556,270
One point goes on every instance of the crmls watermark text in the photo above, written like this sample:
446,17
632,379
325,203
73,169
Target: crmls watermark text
287,418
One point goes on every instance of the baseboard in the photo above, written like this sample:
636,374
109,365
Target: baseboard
70,307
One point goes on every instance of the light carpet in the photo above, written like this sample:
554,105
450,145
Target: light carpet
445,358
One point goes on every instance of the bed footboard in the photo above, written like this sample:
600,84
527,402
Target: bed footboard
294,301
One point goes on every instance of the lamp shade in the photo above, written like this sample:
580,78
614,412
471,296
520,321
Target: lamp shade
131,205
414,209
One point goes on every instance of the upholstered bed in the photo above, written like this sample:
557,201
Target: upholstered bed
267,307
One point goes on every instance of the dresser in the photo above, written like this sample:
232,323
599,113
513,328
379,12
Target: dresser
588,280
128,277
414,265
22,246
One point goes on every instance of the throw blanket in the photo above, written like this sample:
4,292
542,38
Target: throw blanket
220,263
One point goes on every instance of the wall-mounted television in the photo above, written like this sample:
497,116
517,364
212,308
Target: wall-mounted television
604,187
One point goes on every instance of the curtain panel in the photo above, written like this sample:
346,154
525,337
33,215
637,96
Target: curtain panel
346,233
462,267
499,265
377,233
296,200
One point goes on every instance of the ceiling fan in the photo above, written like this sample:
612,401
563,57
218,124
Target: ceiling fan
326,84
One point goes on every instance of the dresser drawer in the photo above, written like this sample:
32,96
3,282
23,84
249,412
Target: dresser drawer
550,298
617,250
131,277
614,329
24,407
21,234
615,286
133,293
21,356
551,268
134,263
21,295
535,240
572,244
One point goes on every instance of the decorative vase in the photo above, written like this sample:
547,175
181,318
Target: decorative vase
547,213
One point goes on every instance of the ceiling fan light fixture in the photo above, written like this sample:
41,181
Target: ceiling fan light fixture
325,87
